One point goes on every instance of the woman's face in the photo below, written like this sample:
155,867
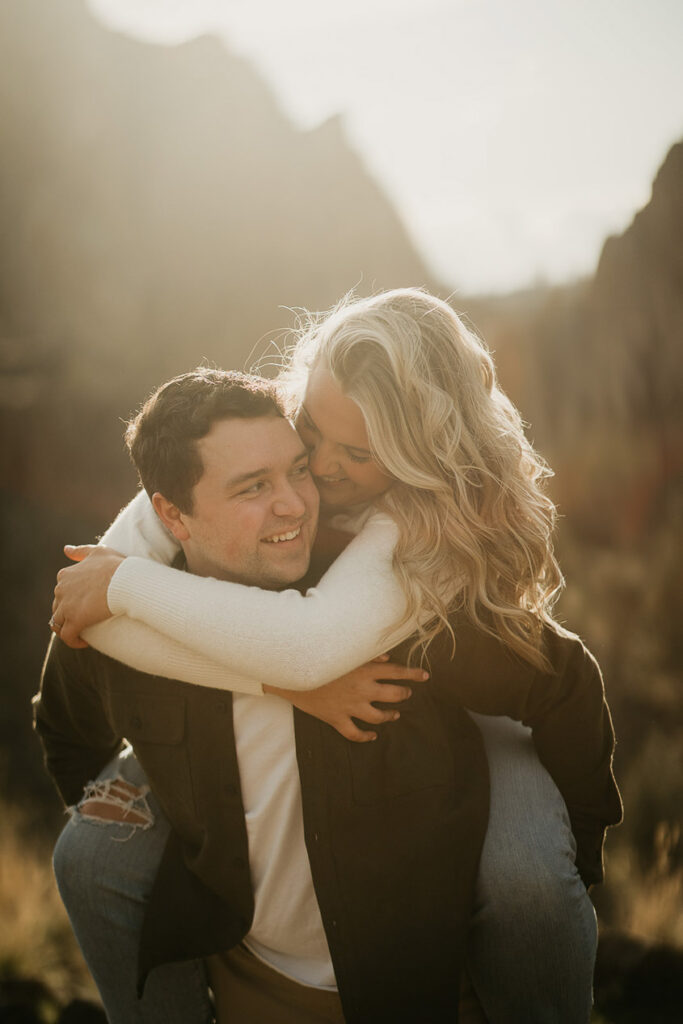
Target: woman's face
333,429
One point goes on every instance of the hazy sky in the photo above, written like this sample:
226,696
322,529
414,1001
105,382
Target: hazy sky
512,136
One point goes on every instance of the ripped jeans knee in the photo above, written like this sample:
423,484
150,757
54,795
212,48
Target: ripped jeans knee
120,795
106,861
114,838
115,800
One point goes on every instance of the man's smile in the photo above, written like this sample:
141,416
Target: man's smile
280,537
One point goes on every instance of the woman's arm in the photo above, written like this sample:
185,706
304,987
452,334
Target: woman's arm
138,531
138,645
338,703
285,639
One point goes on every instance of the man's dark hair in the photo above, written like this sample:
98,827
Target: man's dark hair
162,439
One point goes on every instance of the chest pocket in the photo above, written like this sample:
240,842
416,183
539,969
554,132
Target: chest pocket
410,755
155,726
149,719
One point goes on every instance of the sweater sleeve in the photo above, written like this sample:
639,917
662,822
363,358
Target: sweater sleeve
146,649
137,530
284,638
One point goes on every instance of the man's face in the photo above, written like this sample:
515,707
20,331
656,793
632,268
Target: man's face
255,509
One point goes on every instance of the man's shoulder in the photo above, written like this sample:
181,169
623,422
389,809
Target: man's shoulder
88,668
85,666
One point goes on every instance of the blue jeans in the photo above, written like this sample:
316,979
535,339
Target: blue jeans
104,873
533,934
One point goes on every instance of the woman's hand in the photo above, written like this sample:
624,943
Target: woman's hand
351,696
81,591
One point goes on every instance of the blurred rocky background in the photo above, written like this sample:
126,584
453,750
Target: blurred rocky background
158,209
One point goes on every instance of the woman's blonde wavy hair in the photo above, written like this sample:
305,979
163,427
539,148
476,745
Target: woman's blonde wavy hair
475,526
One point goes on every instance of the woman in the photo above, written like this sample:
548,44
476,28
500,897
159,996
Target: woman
415,448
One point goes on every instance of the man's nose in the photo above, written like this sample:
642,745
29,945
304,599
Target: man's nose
288,502
323,460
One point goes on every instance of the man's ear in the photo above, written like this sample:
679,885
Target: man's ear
171,516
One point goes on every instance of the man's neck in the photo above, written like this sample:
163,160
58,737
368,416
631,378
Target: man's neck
181,561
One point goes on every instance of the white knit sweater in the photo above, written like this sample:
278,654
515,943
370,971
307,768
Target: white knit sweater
234,637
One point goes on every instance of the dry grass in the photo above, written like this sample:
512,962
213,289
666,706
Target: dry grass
36,941
651,907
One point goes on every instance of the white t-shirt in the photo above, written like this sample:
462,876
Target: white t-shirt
287,931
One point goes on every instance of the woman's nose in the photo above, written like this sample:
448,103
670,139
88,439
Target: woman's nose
323,460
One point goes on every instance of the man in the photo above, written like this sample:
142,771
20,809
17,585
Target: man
228,477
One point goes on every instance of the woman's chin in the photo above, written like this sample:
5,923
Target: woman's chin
337,493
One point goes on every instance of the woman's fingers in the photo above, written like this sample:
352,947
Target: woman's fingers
80,595
353,696
390,693
70,637
77,552
350,731
62,629
376,716
391,670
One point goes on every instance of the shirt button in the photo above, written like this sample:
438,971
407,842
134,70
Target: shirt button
239,863
221,707
136,722
229,789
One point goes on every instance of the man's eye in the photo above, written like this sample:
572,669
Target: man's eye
302,471
254,489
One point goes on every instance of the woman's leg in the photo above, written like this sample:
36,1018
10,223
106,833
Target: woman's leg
105,870
534,936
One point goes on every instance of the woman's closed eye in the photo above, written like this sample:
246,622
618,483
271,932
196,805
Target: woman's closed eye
304,421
